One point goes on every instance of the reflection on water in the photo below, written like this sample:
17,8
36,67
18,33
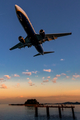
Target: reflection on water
28,113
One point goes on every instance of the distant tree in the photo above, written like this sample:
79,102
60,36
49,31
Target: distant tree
31,101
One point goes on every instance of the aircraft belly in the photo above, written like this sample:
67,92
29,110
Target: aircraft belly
39,49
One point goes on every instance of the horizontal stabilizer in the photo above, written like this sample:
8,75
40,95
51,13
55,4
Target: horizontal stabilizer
44,53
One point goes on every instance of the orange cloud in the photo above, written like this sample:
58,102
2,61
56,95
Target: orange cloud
73,78
54,79
42,84
45,81
18,84
1,78
3,86
63,74
43,77
76,76
30,83
7,76
48,77
26,73
57,75
67,77
15,75
47,70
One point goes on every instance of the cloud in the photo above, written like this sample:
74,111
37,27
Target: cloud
30,83
55,78
54,81
63,74
1,78
3,86
67,77
17,85
45,81
58,75
47,70
35,72
36,76
27,78
15,75
73,78
43,77
29,73
26,73
62,59
53,64
7,76
48,77
42,83
76,76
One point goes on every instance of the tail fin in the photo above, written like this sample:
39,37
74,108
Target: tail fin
43,54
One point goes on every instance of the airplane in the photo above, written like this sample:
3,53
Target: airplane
32,38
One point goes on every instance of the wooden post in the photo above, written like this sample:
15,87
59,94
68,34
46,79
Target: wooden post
47,111
60,112
73,112
36,111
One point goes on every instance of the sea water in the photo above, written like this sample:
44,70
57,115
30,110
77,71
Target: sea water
8,112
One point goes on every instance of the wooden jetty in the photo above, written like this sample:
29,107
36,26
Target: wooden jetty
54,106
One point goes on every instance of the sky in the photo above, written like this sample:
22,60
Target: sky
49,78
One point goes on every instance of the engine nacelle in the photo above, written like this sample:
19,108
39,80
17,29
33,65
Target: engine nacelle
42,33
21,39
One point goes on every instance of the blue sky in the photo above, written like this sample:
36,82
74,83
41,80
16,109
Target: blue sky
54,17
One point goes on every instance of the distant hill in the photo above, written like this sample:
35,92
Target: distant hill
76,103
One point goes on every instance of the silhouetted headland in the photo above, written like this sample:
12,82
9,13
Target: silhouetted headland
29,102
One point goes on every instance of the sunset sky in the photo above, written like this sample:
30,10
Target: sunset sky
50,78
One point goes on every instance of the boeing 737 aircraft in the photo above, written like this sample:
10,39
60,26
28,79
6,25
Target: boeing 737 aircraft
32,38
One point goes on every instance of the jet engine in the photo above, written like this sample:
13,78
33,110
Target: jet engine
21,39
42,33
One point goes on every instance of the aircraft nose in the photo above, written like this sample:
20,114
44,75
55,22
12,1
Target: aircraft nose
17,8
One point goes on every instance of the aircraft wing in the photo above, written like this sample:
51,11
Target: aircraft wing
21,45
55,36
49,37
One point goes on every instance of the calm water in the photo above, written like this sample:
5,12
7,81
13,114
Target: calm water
28,113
